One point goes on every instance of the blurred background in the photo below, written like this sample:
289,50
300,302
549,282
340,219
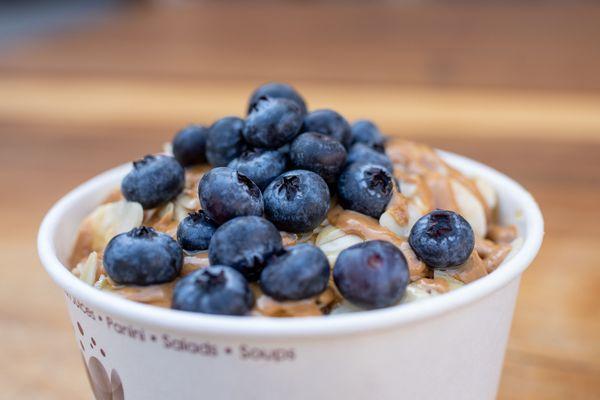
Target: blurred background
85,86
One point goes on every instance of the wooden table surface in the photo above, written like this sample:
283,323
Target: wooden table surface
514,86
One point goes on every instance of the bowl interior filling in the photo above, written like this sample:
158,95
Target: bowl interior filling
86,198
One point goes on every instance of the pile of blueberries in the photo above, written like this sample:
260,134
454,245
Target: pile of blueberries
274,171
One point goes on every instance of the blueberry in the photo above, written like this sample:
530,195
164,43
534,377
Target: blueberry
366,132
272,122
189,145
261,166
372,274
213,290
285,149
277,91
154,180
225,194
330,123
442,239
245,243
225,141
297,201
299,273
194,232
318,153
360,152
142,256
365,188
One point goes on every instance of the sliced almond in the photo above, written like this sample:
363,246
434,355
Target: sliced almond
86,270
333,241
488,192
108,220
470,208
414,213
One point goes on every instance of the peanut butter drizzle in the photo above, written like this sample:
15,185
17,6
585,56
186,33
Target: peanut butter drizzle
83,244
473,269
156,295
502,234
414,158
422,188
192,178
195,262
437,285
162,219
441,190
495,259
292,239
398,207
492,253
416,267
289,239
422,161
484,247
363,226
315,306
368,228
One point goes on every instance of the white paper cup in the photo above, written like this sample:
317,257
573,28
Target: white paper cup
447,347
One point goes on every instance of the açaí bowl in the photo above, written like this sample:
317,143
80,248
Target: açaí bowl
447,347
